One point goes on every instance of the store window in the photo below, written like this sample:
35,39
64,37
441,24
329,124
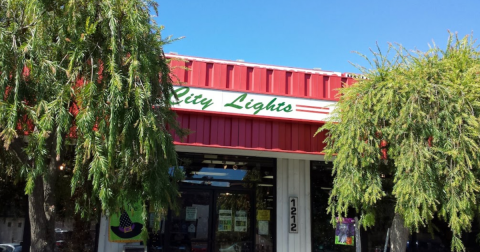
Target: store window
372,239
226,204
324,235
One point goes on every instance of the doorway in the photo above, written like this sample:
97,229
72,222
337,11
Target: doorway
212,221
227,204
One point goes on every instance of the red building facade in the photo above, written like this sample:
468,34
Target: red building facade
248,157
255,132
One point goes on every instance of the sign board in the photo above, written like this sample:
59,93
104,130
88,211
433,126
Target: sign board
126,226
224,220
345,232
293,215
263,215
263,227
252,104
190,213
241,221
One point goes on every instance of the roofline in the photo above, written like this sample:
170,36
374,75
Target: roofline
238,63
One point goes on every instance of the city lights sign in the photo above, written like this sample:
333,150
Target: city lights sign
251,104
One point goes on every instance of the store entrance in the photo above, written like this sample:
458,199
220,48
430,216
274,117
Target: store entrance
226,204
212,221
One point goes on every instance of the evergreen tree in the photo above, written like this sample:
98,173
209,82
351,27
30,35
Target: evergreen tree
90,75
414,118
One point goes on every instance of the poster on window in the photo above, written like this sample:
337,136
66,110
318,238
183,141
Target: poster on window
224,220
345,232
191,213
203,214
263,227
263,215
240,221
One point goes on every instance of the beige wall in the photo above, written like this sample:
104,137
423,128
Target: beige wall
14,233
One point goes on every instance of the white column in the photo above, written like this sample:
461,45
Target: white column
293,180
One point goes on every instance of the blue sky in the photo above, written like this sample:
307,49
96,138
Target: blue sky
310,34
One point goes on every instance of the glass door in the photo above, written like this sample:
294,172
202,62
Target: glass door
190,230
233,222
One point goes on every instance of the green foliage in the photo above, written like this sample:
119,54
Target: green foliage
105,57
405,100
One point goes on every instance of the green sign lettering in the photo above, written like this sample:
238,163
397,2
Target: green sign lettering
185,96
193,99
179,92
232,104
259,106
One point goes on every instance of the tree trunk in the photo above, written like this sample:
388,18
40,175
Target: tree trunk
38,220
42,210
358,241
26,227
398,235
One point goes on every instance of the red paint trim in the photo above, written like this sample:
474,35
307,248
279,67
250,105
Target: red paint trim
252,149
252,116
303,106
178,57
309,111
